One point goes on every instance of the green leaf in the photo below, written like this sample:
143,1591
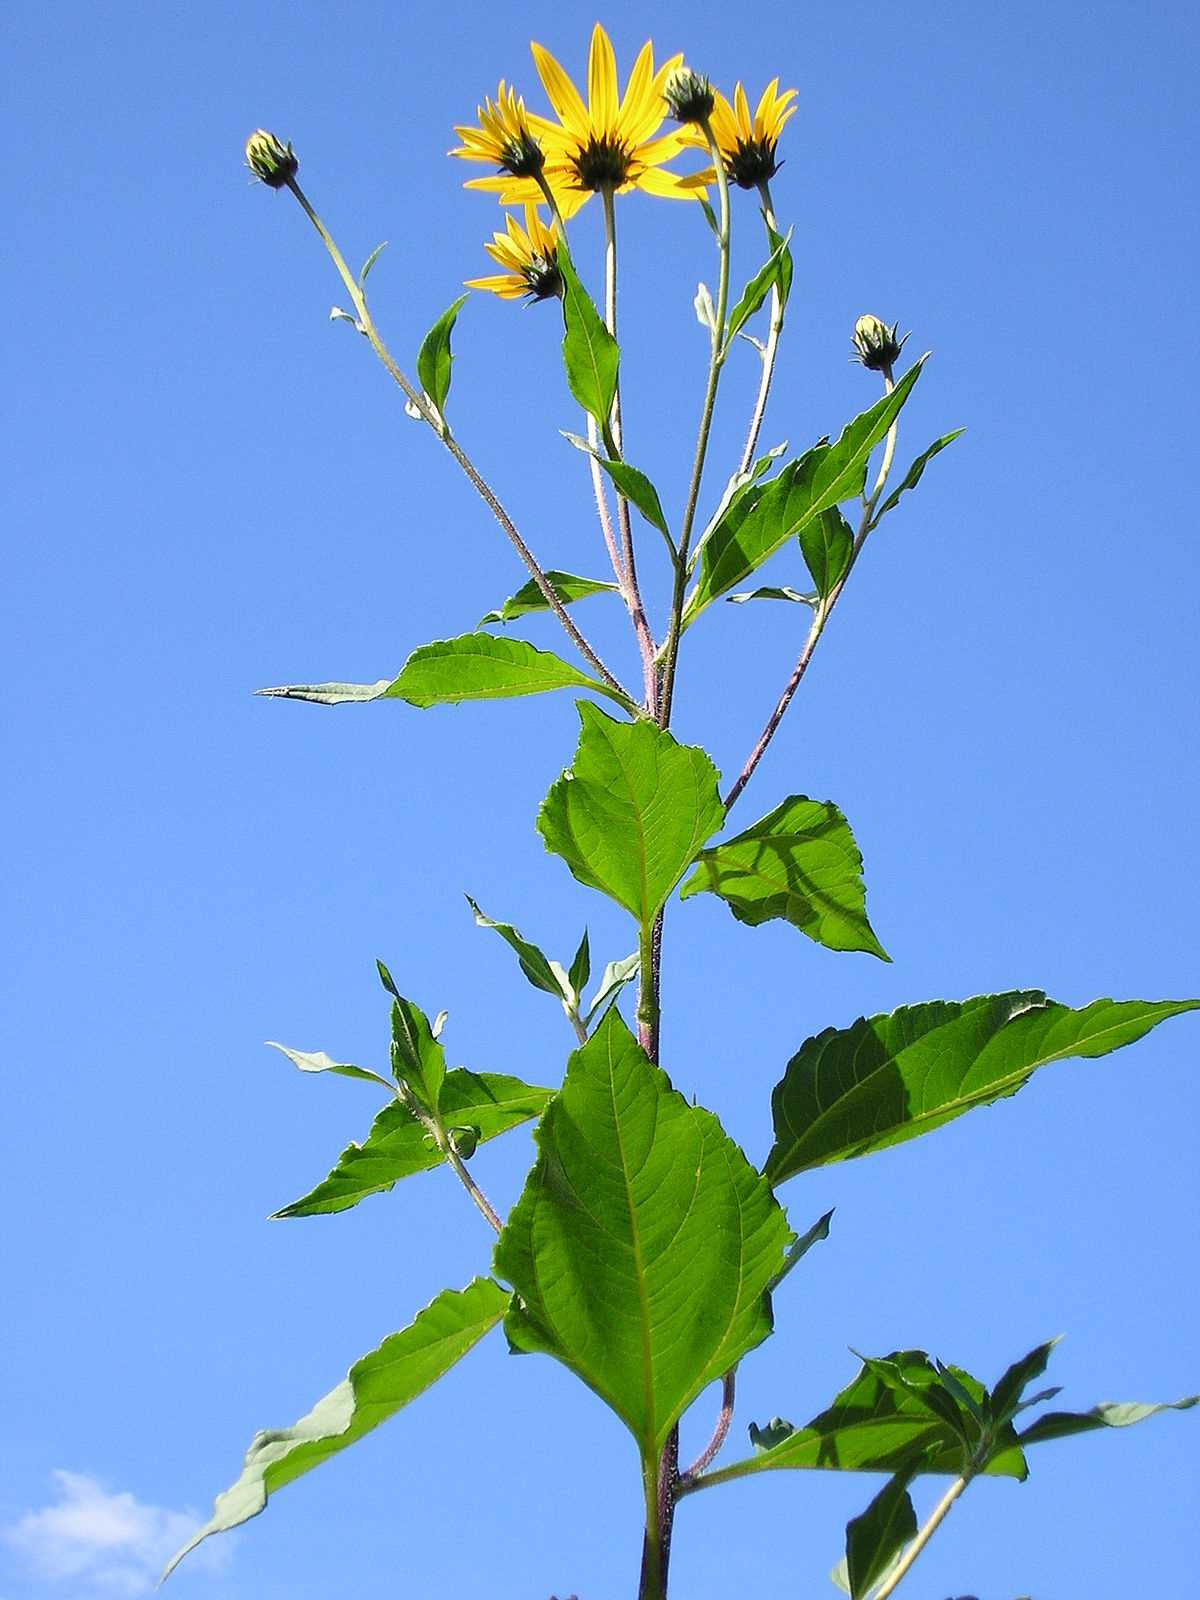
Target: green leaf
643,1243
785,264
632,811
318,1061
876,1537
757,290
799,863
478,666
533,963
913,476
761,519
639,491
434,359
398,1146
378,1386
1061,1424
873,1426
418,1059
529,597
1008,1394
800,1248
590,353
827,544
329,694
888,1078
768,593
580,969
370,262
616,975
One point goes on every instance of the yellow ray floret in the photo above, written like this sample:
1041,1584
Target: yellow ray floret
503,137
612,142
747,143
530,257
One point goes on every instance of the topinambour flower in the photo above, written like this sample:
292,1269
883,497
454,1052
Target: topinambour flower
530,257
748,144
610,143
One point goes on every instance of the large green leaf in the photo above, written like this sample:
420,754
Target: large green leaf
644,1242
875,1537
529,597
403,1366
434,359
590,353
799,863
888,1078
398,1146
872,1426
760,519
478,666
633,810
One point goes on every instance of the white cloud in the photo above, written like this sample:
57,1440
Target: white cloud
113,1541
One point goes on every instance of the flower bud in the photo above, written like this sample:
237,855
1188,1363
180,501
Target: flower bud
689,97
270,161
876,345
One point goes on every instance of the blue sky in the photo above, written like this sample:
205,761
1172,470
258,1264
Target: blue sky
212,488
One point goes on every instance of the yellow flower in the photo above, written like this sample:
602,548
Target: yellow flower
747,143
530,255
609,143
504,136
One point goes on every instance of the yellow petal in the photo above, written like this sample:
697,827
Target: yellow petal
632,106
669,185
602,82
561,92
764,108
741,110
507,287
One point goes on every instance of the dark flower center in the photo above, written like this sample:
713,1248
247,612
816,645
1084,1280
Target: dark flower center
752,163
543,277
602,163
523,156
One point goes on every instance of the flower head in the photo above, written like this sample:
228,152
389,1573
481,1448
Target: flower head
689,97
271,162
504,137
611,142
876,345
530,257
748,143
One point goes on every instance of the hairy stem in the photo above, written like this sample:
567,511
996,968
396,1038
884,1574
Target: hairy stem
445,1144
614,443
772,349
936,1518
427,414
720,1429
820,616
670,650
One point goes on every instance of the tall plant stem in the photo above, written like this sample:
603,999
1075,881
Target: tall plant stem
427,414
772,348
670,650
936,1518
820,616
614,442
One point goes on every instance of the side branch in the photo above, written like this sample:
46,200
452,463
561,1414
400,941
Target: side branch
424,410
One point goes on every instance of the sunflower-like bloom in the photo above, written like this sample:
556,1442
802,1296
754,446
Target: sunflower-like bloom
609,143
503,138
530,257
747,143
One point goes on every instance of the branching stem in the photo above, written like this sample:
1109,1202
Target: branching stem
821,614
427,414
720,1430
445,1144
